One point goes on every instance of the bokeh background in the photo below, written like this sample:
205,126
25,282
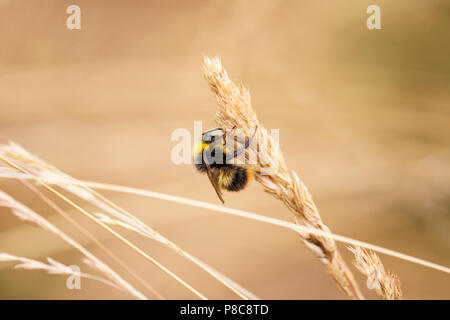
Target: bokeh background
363,118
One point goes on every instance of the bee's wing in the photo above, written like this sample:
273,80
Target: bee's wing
214,182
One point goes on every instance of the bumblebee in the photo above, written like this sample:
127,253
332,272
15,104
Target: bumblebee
210,156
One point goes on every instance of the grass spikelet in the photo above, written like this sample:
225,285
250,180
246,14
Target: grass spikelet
53,267
26,214
385,284
234,109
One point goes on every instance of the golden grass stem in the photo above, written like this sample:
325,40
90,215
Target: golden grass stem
61,212
261,218
26,214
45,171
176,248
242,214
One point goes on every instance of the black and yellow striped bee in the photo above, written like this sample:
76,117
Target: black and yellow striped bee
210,156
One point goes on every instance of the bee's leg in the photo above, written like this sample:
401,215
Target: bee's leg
211,130
238,152
228,132
225,137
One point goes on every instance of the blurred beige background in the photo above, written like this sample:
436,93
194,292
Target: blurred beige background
363,117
